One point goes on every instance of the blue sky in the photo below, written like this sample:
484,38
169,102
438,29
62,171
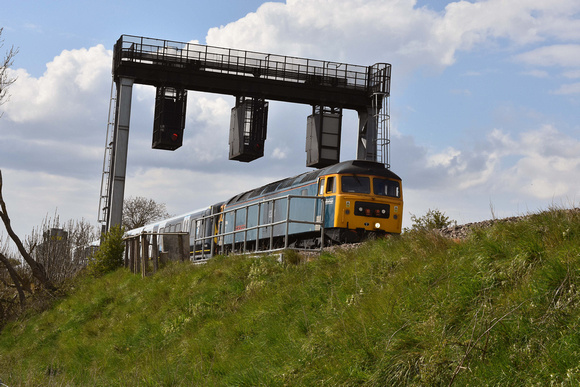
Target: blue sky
484,101
42,29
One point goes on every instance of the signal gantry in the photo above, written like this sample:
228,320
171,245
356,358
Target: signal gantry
252,78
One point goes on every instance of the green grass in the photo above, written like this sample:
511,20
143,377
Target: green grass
501,308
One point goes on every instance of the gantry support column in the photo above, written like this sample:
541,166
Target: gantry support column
367,133
120,148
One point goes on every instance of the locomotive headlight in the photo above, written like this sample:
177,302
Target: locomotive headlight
377,225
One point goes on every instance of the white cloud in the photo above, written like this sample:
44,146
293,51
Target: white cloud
572,88
444,159
548,164
279,153
65,90
572,74
185,190
564,55
523,22
33,27
207,127
323,29
537,73
514,174
407,35
31,195
500,164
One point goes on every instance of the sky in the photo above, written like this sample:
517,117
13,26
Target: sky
484,106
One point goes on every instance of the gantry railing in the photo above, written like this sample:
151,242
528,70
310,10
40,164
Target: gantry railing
149,51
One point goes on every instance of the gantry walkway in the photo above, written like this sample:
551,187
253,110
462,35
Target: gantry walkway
238,72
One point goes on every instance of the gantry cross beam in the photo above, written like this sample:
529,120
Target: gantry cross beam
253,74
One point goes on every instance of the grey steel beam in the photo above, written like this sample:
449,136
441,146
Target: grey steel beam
120,150
228,84
367,134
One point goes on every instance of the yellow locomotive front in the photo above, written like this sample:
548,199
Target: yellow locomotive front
361,204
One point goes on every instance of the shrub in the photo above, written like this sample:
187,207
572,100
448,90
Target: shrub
109,256
433,219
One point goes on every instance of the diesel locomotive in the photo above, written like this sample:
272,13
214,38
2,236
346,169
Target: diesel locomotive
343,203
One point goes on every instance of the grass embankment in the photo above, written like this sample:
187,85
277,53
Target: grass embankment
501,308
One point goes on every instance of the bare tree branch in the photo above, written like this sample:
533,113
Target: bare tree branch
37,269
62,248
139,211
5,79
15,279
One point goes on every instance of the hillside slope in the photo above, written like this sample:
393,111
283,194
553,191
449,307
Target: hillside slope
498,308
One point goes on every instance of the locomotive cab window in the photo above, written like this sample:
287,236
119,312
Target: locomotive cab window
356,184
331,185
386,187
321,187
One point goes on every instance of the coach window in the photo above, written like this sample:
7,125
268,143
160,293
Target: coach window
321,186
330,185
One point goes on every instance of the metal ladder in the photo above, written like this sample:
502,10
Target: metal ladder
107,158
380,103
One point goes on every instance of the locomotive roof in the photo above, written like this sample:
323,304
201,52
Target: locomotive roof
358,167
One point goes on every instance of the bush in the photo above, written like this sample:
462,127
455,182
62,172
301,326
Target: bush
432,220
109,256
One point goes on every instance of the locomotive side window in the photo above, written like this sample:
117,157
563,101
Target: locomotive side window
321,187
386,187
331,185
356,184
